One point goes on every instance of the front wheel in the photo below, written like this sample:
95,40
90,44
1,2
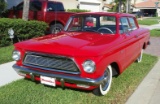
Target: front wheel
106,84
56,28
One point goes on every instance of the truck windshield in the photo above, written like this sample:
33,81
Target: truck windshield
92,23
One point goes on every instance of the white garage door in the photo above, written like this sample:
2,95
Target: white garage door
93,7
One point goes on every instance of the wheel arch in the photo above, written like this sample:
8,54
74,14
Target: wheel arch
144,45
115,69
56,22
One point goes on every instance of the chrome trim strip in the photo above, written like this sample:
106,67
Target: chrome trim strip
66,78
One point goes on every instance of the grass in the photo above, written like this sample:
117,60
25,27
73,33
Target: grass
122,87
147,22
6,54
154,18
155,32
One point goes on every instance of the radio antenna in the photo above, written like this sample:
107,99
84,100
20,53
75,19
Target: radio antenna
55,30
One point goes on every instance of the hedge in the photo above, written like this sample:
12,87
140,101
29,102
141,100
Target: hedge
77,10
23,30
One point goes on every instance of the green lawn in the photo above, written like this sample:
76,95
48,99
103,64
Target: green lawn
153,18
155,32
6,54
28,92
148,22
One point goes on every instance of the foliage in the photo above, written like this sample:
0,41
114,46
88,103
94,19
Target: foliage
23,30
115,8
155,32
122,87
2,6
77,10
6,54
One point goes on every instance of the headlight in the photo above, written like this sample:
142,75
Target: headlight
16,55
89,66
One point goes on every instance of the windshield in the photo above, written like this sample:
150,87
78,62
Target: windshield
92,23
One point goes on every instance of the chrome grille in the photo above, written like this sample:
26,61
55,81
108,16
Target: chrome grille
49,62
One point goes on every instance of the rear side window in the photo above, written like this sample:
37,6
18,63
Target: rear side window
55,6
132,23
36,6
19,7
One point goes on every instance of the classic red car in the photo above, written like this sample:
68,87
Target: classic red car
92,48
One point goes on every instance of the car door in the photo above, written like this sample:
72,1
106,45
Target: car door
130,41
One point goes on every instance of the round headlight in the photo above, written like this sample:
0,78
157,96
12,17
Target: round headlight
16,55
89,66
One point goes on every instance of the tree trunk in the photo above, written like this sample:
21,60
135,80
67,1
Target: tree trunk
25,10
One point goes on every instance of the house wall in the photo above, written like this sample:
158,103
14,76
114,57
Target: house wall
92,5
69,4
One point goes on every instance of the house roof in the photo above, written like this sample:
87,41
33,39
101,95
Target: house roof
147,4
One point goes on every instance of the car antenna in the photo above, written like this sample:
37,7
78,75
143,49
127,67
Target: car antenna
55,17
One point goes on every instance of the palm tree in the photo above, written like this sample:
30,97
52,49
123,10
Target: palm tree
118,5
25,10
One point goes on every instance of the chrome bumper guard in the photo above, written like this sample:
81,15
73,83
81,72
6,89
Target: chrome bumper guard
62,78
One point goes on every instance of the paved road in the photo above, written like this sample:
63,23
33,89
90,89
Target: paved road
7,74
154,48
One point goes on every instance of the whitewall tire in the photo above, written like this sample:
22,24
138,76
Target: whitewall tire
105,86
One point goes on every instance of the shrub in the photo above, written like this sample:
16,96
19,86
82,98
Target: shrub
23,30
77,10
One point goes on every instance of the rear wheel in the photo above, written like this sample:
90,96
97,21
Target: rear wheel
56,28
139,59
106,84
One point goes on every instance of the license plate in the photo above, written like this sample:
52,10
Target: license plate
48,81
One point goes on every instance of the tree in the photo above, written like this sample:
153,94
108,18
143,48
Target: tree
2,6
118,6
26,10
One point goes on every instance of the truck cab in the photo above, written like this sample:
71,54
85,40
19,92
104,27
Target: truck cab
51,12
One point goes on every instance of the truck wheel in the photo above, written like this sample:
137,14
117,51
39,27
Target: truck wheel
105,86
56,28
139,59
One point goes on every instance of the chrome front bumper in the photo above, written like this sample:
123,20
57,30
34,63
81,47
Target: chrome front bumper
62,78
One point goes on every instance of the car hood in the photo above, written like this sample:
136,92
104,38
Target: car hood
70,44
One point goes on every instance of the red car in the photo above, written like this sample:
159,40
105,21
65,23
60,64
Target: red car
84,55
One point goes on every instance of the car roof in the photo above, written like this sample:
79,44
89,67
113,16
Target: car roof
116,14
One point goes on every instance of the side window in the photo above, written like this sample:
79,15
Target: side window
124,25
132,23
35,6
19,7
54,6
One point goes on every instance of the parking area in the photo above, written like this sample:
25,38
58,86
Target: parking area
153,48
